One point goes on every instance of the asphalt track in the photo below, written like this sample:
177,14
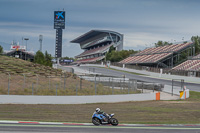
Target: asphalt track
109,72
34,128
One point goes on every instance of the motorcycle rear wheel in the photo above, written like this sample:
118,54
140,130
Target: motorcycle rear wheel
96,121
113,121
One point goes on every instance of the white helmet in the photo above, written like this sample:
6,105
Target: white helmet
97,109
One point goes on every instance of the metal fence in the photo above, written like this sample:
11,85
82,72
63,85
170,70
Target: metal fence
70,84
28,84
123,84
177,85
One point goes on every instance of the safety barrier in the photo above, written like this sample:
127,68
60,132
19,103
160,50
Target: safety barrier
184,94
29,99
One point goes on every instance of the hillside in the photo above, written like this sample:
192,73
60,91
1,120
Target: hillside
27,78
18,66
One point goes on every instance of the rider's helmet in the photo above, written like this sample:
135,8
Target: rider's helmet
97,110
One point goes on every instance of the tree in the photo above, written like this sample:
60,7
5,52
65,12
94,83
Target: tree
43,59
161,43
67,58
1,49
108,55
127,53
183,55
196,41
39,58
48,59
116,56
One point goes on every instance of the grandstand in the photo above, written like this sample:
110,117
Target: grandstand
164,56
20,52
96,43
189,65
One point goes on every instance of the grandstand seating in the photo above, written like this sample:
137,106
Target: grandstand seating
96,42
153,55
189,65
163,49
89,60
196,57
94,51
152,58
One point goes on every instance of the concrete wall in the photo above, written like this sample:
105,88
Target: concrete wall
168,89
22,99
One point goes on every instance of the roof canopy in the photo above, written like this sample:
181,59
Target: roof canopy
91,34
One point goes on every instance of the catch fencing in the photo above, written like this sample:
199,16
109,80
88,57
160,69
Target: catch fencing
71,84
29,84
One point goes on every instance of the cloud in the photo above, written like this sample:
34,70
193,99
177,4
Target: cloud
143,22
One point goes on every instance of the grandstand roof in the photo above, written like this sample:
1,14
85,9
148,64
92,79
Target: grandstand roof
25,55
13,51
91,34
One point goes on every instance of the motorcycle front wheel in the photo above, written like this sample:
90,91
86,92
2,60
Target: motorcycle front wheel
113,121
96,121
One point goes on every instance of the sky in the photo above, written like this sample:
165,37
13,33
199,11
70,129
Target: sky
142,22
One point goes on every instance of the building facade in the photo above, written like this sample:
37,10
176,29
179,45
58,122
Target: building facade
96,44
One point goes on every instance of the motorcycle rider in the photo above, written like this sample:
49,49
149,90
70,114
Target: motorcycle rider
98,111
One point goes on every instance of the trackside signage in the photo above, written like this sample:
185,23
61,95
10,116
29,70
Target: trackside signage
14,47
59,19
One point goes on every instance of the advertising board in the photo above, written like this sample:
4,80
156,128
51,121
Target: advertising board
17,47
59,19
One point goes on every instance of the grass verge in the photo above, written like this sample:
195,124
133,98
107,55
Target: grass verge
146,112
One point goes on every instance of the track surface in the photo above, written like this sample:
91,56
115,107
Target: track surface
28,128
191,86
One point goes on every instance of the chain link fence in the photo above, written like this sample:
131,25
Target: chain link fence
113,85
28,84
71,84
122,85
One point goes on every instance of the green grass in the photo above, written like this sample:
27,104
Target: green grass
194,96
146,112
19,66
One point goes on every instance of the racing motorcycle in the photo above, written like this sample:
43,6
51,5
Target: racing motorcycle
103,119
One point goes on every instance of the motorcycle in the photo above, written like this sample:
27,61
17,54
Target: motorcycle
103,119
